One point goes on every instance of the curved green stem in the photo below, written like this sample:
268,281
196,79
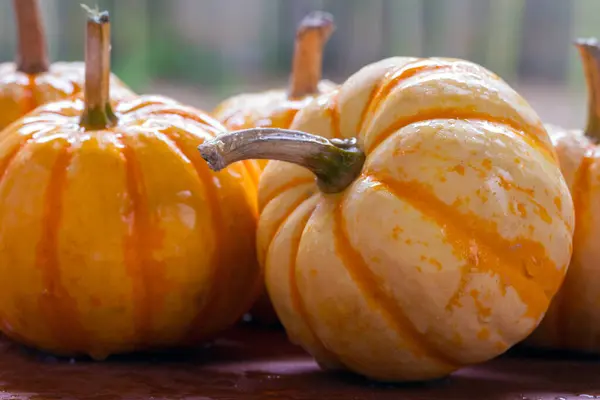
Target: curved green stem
98,113
336,163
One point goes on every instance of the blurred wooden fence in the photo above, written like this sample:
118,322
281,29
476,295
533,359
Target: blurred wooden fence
220,43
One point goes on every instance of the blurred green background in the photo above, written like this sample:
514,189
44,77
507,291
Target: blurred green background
200,51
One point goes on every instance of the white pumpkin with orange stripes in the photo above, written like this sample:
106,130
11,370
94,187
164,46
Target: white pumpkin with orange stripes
436,232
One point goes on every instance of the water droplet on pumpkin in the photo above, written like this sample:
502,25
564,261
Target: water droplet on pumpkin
531,267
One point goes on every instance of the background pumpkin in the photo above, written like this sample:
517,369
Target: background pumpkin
277,108
113,229
31,80
444,249
573,320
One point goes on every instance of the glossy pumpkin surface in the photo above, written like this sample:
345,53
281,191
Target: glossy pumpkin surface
113,240
449,246
113,229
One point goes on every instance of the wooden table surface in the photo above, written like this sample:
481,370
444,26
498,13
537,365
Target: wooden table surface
251,364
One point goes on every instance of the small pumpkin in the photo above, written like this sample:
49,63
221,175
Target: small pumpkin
573,320
277,107
112,227
436,233
32,80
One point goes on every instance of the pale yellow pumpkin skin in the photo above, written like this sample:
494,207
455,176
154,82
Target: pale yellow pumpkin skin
573,320
449,247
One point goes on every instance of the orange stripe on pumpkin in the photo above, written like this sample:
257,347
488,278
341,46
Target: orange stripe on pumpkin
517,262
390,80
396,76
147,274
57,305
220,255
372,289
333,112
466,114
28,101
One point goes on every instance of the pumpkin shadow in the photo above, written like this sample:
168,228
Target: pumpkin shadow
256,364
529,352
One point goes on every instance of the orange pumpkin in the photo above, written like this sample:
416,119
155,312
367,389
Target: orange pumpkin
31,80
277,108
573,321
115,235
438,228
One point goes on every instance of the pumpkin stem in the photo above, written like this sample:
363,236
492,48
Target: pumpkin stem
98,113
312,35
589,51
32,54
336,162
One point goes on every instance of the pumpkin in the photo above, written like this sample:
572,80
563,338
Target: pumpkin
277,107
436,232
31,80
573,320
114,234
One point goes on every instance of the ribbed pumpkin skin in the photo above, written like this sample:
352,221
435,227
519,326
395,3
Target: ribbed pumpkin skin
20,93
449,247
269,109
120,240
573,320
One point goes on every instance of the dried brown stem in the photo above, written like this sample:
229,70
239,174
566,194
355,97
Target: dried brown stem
32,54
312,35
589,51
98,113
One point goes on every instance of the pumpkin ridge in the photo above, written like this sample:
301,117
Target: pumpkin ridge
386,84
213,301
295,295
368,285
463,114
289,185
281,222
500,253
140,236
57,305
397,75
